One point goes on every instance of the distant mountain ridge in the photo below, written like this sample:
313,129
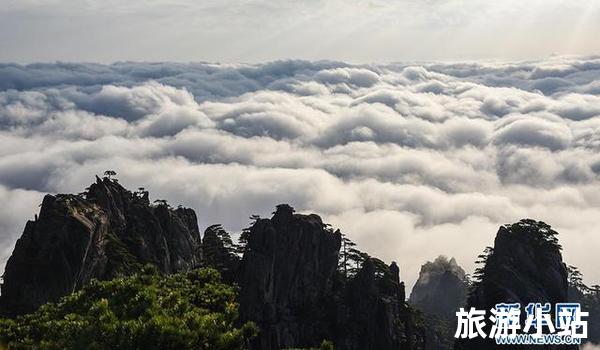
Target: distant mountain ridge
439,292
441,287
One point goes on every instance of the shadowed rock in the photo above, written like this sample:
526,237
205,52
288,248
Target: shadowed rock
106,232
291,287
287,273
524,266
378,316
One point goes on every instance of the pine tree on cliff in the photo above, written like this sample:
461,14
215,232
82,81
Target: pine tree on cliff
589,298
219,251
242,244
110,173
351,258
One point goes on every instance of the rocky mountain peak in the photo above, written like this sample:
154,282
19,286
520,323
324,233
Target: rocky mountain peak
441,287
395,272
524,266
529,253
439,292
292,286
286,275
104,232
283,213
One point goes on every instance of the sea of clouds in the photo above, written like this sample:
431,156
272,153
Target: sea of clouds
409,160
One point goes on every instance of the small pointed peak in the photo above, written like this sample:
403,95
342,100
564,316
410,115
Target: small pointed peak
283,212
284,209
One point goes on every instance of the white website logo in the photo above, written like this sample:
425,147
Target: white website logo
538,329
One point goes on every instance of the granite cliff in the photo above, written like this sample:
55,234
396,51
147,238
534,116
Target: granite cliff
102,233
524,266
286,278
589,298
292,288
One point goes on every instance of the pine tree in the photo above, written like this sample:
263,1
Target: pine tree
351,259
245,235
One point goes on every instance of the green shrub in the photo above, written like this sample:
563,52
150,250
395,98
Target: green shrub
192,310
327,345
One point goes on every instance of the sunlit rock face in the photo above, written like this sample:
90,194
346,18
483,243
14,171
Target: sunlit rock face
102,233
441,288
439,292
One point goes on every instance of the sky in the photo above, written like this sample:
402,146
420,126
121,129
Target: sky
409,160
253,31
417,127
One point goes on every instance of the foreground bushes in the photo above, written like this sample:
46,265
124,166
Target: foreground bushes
192,310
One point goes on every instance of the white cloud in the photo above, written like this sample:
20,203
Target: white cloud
12,221
410,161
532,131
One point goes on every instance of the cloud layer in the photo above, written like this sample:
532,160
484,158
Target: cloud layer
411,161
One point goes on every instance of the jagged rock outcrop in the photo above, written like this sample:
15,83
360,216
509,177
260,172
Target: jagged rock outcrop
376,315
439,292
290,279
525,265
105,232
441,288
286,277
291,287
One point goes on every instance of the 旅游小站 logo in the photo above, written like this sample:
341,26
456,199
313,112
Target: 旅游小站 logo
539,328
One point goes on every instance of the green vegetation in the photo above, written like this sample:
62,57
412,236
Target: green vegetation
110,174
325,345
219,253
192,310
351,259
120,261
